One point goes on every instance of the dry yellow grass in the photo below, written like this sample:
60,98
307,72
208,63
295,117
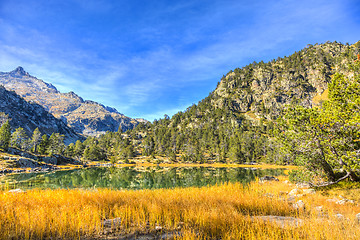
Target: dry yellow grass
215,165
217,212
319,98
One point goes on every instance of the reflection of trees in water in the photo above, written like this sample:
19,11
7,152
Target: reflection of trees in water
149,178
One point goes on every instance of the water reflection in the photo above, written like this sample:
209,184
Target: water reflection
135,177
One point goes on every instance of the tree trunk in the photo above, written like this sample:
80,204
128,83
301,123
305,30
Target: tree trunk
353,176
325,165
331,182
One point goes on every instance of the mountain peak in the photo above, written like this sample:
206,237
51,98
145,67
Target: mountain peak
20,71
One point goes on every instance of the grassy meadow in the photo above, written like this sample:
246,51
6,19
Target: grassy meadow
218,212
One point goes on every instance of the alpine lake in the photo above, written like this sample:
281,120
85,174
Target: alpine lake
135,177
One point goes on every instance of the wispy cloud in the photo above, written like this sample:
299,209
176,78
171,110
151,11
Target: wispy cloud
148,58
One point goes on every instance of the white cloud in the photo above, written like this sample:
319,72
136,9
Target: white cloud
184,51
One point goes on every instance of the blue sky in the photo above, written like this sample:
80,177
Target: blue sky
148,58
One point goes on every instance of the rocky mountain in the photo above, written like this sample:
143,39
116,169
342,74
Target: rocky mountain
85,117
261,90
31,116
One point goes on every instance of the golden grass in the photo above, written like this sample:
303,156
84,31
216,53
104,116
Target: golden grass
215,165
216,212
321,97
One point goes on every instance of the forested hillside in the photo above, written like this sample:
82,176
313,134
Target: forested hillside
236,121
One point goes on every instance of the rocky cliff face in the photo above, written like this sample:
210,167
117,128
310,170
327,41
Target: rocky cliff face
86,117
263,89
31,116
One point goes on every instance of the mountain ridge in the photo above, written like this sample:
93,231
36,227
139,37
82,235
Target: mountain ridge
86,117
30,116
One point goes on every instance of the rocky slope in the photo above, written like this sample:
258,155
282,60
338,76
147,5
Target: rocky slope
261,90
31,116
85,117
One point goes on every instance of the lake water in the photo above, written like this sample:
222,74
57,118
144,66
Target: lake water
134,177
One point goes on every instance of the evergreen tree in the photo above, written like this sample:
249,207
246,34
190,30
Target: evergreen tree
5,135
78,149
19,139
44,144
35,140
56,144
69,150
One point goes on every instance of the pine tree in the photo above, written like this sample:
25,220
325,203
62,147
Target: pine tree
44,144
56,144
5,135
35,140
19,139
79,149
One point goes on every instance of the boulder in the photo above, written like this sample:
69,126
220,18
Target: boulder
111,223
299,205
295,192
268,178
320,211
309,191
17,190
357,216
344,200
291,199
158,228
339,216
51,160
26,163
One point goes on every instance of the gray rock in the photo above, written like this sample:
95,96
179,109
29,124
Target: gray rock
291,199
294,192
158,228
268,178
309,191
358,217
280,220
27,163
111,223
51,160
320,211
344,201
339,216
299,205
17,190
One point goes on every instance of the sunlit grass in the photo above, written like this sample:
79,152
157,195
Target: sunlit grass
217,212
